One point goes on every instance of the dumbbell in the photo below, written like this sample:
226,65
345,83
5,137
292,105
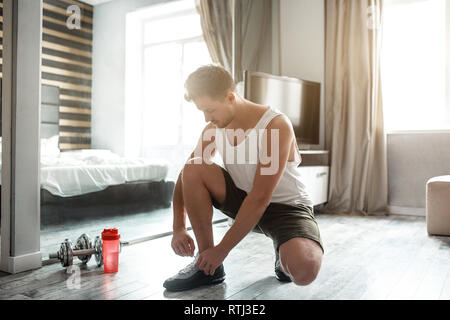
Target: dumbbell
83,250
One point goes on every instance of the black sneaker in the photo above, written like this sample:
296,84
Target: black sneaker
281,276
192,277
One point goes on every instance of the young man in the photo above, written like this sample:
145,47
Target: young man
264,193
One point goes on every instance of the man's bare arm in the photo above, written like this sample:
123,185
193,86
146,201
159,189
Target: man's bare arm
179,212
259,197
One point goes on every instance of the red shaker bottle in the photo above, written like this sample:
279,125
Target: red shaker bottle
111,248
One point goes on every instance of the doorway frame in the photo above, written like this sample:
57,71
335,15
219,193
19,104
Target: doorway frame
21,96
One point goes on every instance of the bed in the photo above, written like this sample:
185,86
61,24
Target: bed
83,183
89,182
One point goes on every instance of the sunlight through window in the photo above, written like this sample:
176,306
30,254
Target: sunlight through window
413,65
162,50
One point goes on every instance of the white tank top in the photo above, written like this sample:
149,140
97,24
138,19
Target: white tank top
290,189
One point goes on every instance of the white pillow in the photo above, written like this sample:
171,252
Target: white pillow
50,146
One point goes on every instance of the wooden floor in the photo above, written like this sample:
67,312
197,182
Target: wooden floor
365,258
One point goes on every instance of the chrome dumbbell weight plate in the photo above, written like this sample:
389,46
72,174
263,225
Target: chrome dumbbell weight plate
84,243
66,253
83,250
98,246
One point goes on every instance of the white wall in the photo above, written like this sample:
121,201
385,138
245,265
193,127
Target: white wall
302,46
413,158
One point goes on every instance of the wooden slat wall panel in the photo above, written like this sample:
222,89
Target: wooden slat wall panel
67,63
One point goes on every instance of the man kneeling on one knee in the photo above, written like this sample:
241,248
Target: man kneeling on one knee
259,187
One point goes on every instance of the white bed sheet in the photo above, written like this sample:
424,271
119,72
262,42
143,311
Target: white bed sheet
79,172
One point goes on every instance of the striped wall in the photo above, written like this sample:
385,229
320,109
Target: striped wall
67,63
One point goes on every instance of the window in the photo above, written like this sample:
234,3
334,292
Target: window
167,66
413,65
170,46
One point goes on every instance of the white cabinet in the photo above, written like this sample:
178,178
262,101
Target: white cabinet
315,179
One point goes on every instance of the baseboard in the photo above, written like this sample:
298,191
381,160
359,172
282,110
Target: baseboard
24,262
407,211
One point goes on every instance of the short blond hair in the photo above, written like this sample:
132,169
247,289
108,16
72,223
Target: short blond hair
210,80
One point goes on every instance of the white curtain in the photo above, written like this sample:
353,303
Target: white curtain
255,29
217,26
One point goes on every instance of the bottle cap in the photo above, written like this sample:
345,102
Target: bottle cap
110,234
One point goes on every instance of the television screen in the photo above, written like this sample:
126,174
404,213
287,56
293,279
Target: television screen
298,99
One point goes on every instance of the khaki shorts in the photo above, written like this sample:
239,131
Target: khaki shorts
280,222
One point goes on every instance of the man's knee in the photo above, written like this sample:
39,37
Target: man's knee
197,174
302,259
304,274
191,171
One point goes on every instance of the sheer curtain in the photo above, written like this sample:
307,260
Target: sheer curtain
253,29
217,24
354,115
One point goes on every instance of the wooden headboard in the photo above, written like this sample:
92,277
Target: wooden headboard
49,111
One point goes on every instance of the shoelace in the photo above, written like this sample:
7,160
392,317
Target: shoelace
189,267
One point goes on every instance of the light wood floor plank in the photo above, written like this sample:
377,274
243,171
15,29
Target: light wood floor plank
445,292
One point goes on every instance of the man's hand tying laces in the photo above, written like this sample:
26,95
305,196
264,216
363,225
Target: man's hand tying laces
210,259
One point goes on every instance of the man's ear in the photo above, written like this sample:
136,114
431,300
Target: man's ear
231,97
